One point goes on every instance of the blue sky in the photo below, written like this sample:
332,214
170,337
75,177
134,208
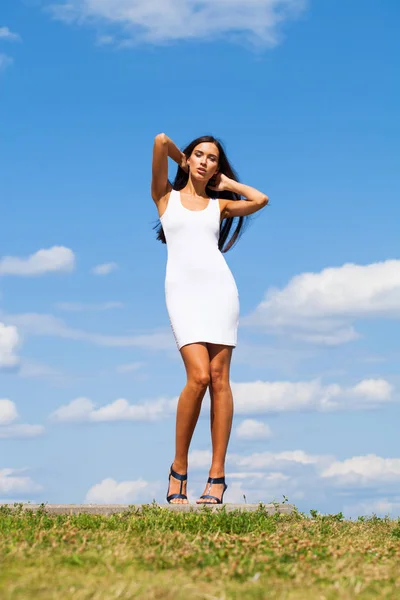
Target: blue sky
305,97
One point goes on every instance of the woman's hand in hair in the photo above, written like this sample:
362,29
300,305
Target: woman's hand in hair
184,163
219,182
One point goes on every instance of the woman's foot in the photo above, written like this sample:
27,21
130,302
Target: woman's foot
177,486
214,491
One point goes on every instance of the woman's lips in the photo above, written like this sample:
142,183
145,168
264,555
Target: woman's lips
202,171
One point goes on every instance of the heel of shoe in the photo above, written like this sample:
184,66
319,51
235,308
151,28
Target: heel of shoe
222,496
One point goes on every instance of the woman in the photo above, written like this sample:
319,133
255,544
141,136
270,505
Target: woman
201,294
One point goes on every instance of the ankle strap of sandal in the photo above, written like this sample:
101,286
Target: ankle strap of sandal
178,476
216,480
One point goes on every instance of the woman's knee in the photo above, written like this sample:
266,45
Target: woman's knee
199,379
219,378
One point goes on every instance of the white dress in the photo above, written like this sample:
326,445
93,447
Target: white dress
201,294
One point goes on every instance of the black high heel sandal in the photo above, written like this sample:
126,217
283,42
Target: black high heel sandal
212,480
181,478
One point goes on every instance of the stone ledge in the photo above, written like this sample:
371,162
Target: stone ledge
110,509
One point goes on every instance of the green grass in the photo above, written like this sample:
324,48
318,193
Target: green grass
160,554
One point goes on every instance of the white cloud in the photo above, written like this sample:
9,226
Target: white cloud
23,431
249,474
260,397
8,411
256,487
374,389
83,410
31,369
300,475
10,430
55,259
12,484
276,356
378,506
369,470
199,459
105,269
5,61
110,491
6,34
105,40
250,429
276,460
42,324
235,493
159,21
317,472
321,307
265,476
9,342
78,410
81,307
49,325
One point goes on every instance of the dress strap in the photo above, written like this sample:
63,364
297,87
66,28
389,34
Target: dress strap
174,196
172,204
215,201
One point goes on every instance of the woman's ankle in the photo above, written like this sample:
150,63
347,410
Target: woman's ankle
180,466
216,472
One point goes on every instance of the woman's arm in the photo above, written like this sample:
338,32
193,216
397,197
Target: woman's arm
163,147
239,208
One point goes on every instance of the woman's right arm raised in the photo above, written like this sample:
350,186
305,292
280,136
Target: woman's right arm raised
163,147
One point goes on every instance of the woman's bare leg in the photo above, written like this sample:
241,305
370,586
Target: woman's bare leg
197,363
221,412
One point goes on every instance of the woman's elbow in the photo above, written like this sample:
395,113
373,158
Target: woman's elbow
161,137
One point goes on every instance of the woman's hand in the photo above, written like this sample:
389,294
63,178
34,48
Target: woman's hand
184,164
219,182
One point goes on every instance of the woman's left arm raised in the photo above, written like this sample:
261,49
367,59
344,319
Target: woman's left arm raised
255,200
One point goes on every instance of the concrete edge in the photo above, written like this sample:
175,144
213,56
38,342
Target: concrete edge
110,509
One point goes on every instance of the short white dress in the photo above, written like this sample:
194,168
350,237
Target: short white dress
201,294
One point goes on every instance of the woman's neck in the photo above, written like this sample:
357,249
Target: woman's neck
195,188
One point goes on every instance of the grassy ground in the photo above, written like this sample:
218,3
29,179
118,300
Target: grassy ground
160,554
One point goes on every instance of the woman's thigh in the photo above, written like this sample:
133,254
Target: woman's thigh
197,362
220,363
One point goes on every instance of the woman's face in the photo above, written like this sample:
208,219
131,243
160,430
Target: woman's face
203,161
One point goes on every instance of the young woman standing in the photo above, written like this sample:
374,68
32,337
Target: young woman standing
201,294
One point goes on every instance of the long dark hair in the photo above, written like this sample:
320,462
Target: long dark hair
224,167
